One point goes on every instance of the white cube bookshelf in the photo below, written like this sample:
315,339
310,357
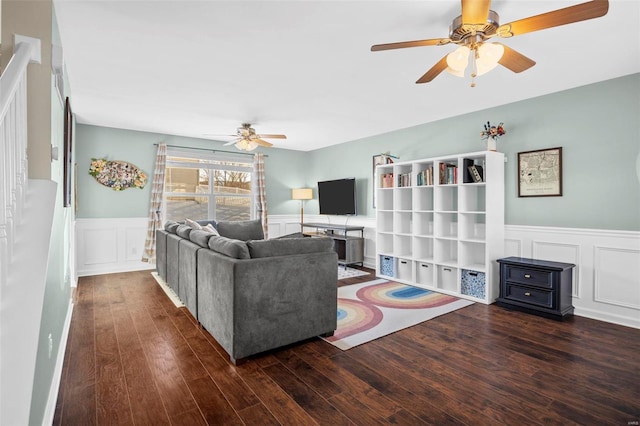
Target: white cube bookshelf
437,228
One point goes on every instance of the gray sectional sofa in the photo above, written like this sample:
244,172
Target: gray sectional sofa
251,294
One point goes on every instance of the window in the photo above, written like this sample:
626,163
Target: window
202,184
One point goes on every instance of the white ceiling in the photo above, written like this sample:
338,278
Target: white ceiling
304,68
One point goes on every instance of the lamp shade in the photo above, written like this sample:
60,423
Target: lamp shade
458,60
302,194
246,145
488,56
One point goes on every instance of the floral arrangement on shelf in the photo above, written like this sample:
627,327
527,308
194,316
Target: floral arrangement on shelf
493,131
117,175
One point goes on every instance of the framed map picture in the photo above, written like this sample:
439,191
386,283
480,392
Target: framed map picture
540,173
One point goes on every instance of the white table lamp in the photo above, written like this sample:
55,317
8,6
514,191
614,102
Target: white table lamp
302,194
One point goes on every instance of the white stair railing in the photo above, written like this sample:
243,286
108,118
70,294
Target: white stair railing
13,145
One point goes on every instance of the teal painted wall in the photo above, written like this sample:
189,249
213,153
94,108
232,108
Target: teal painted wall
596,125
284,169
57,292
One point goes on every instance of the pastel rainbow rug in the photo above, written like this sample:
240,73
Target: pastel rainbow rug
377,308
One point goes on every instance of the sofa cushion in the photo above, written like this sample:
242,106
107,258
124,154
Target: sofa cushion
289,246
229,247
171,226
243,230
183,231
200,237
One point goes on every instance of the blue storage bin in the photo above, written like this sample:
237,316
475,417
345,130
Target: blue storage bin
387,266
473,283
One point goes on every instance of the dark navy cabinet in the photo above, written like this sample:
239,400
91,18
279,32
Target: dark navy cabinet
539,287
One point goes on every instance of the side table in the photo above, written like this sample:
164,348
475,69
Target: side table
539,287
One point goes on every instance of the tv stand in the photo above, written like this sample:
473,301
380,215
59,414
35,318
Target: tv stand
350,248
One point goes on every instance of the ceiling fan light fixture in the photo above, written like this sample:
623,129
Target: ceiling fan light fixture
457,73
488,56
458,60
246,145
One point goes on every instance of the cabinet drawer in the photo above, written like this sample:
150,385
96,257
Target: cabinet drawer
530,295
529,276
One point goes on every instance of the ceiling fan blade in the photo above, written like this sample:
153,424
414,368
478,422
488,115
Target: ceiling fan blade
515,61
236,140
262,135
475,11
440,66
567,15
415,43
261,142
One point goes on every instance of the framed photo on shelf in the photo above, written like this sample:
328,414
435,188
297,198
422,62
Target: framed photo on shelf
540,173
377,160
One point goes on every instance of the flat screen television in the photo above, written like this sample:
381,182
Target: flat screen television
337,197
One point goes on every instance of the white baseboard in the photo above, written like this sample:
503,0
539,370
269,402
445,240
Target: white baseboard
50,409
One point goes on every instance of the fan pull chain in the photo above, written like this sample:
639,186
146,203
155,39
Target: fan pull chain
474,68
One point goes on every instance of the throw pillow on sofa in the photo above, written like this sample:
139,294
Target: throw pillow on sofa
193,224
243,230
210,229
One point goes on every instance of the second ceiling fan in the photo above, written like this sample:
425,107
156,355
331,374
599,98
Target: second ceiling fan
246,138
477,24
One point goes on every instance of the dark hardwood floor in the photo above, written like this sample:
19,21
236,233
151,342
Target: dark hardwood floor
133,358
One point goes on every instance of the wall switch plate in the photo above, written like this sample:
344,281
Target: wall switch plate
50,345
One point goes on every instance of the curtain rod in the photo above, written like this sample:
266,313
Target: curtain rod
209,149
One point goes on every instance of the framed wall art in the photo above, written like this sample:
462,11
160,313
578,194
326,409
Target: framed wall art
68,154
540,173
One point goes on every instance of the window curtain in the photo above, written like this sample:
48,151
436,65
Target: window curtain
261,192
155,206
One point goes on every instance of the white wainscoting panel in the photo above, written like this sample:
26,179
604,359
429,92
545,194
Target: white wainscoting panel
560,252
614,279
110,245
606,281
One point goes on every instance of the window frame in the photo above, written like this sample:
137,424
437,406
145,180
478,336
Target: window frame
210,161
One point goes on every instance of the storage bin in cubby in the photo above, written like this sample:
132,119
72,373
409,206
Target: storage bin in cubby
404,269
424,273
387,266
447,278
473,283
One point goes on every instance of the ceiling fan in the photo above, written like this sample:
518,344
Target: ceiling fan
477,24
246,138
